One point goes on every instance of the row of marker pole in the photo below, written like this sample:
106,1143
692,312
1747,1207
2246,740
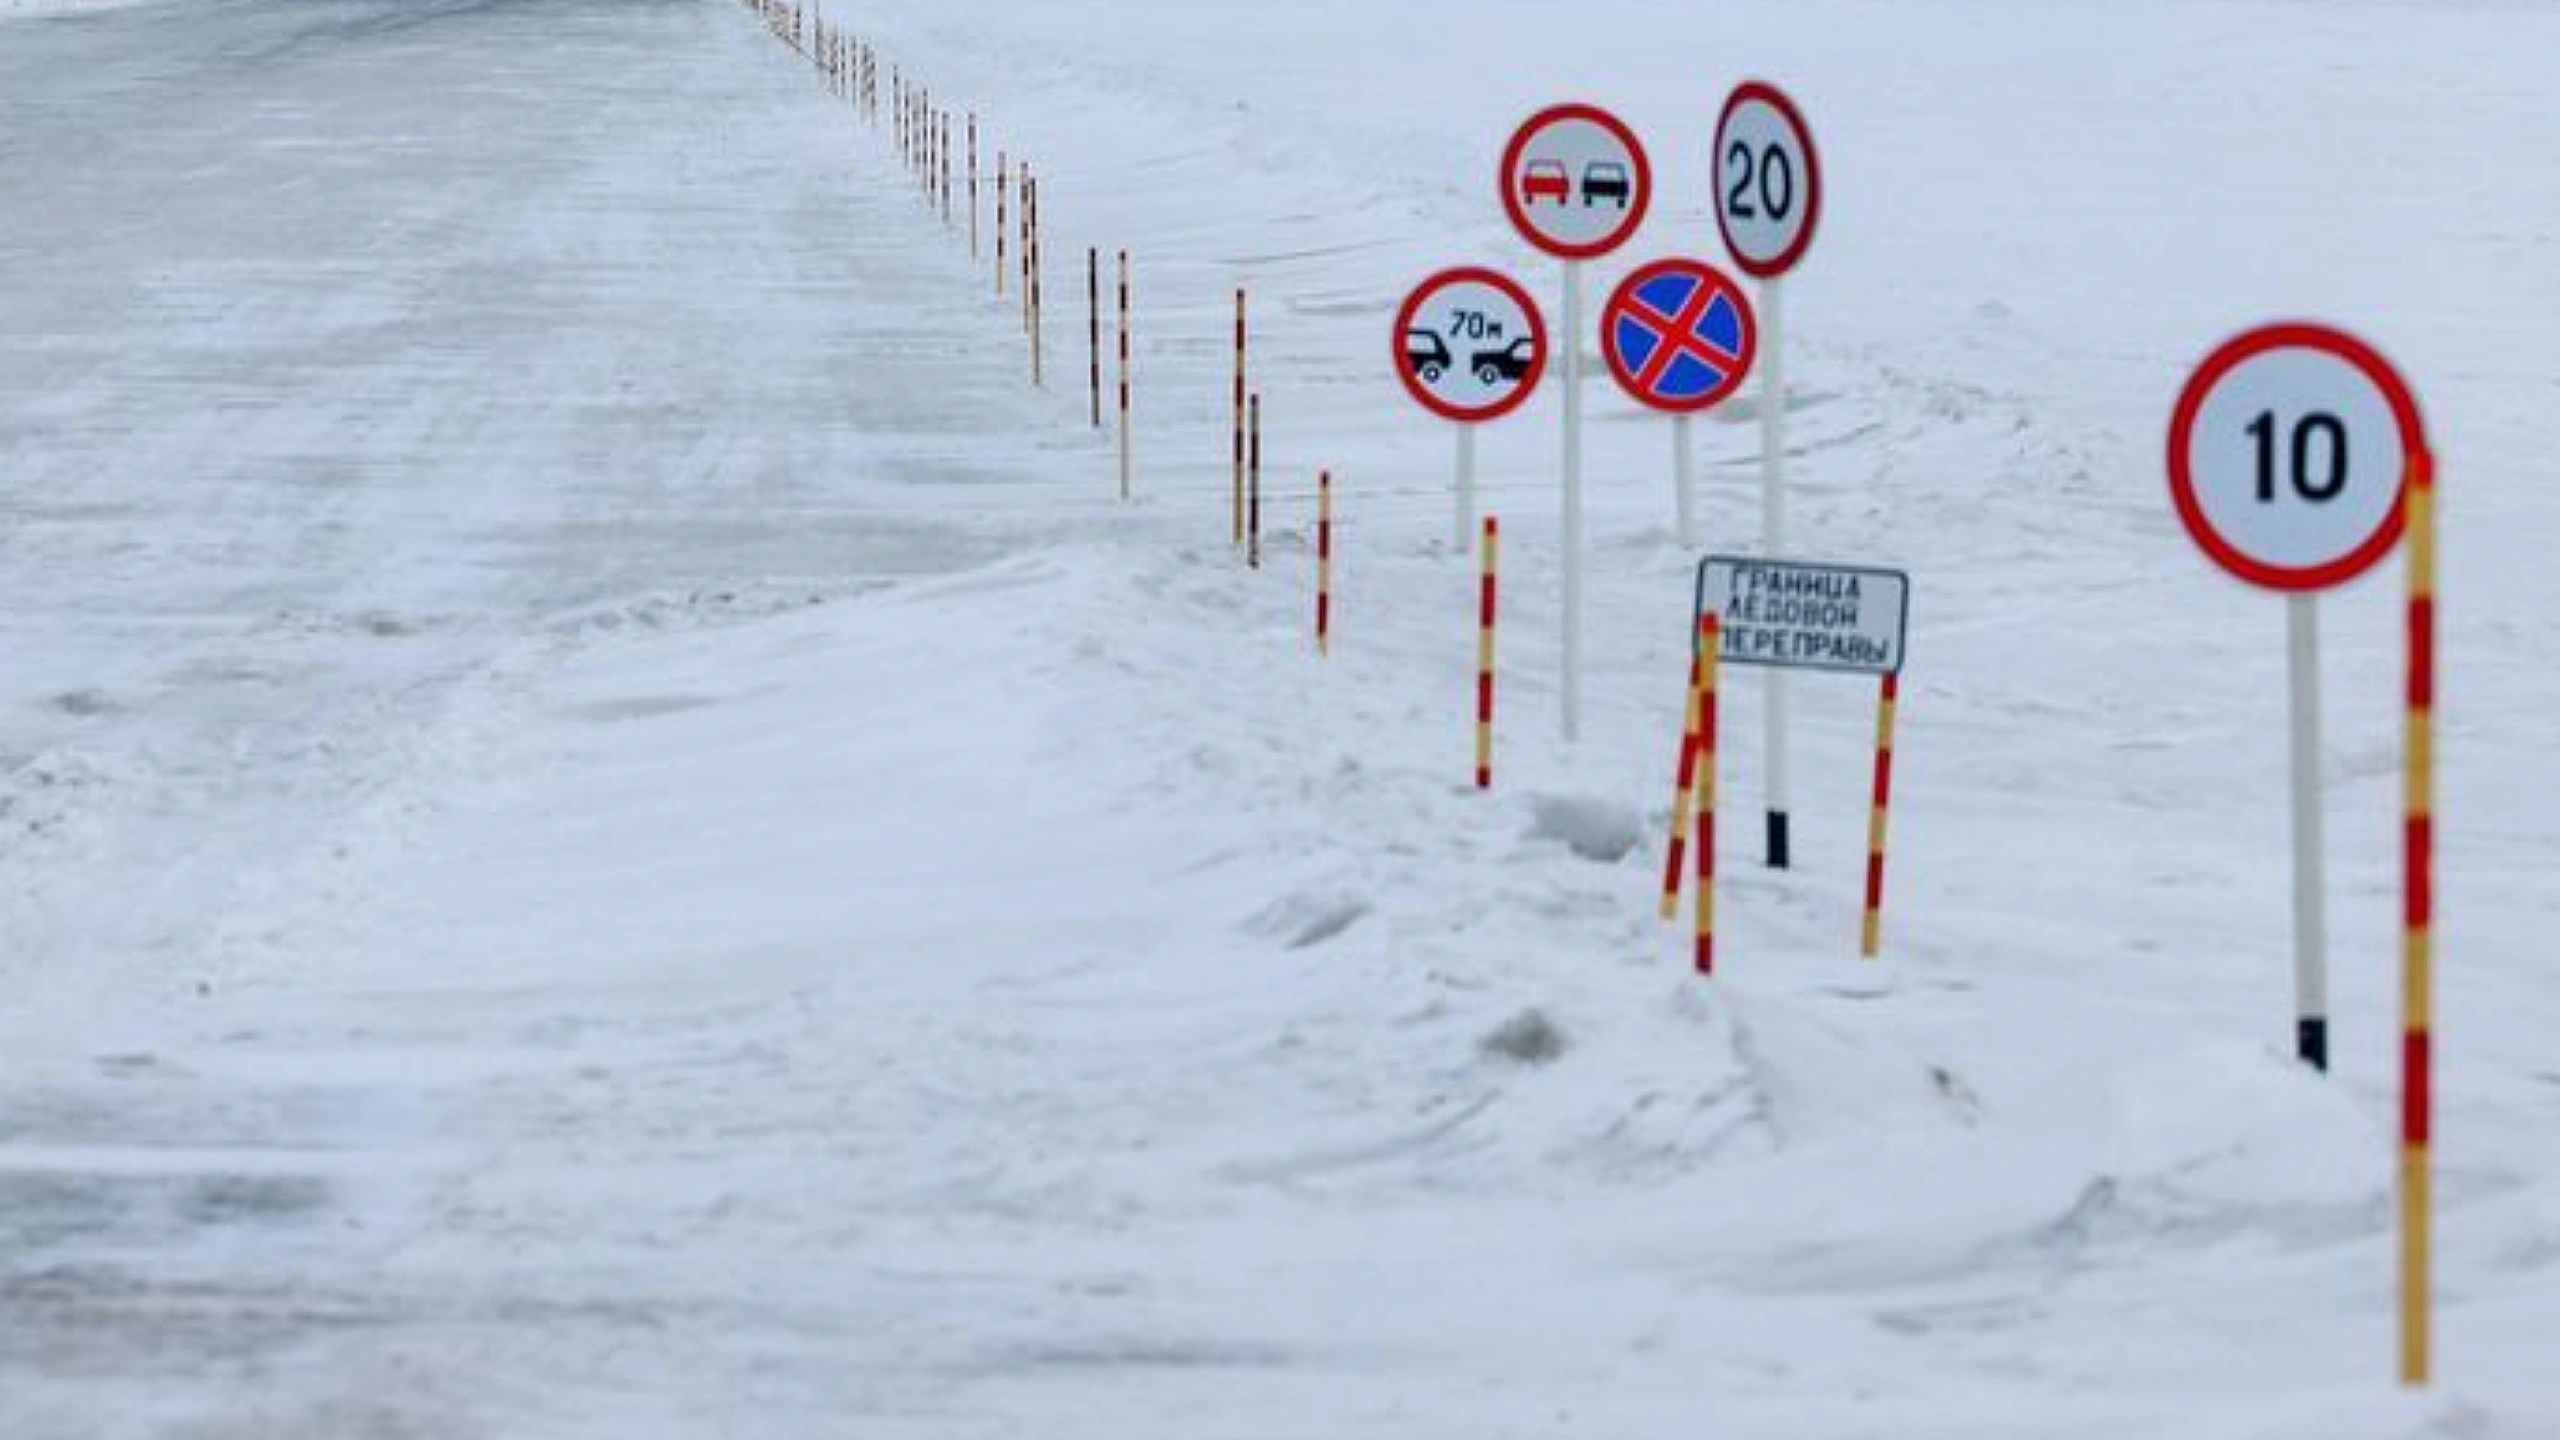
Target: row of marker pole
1693,787
923,136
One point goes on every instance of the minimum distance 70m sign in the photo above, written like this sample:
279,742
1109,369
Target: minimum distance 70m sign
1796,615
1470,345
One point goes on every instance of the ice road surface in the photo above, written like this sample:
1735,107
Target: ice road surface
606,831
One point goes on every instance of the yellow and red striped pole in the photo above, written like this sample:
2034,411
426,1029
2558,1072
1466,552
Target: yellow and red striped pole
2417,951
1324,562
1710,650
1253,481
1124,374
1682,771
1235,508
1888,698
1484,653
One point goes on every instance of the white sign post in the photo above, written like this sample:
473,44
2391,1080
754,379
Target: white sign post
1470,346
2288,453
1768,186
1575,182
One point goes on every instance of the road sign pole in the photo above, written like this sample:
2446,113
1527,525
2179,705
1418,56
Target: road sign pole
1470,346
1571,342
1773,542
1684,479
2310,917
1561,154
1466,487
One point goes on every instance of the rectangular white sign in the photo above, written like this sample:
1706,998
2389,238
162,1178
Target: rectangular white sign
1803,616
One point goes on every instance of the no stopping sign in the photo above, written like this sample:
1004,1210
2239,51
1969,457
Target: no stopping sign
2289,453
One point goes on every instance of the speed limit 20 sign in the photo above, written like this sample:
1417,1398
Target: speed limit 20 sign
2289,452
1768,180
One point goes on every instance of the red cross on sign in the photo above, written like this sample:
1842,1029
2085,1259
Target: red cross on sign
1678,335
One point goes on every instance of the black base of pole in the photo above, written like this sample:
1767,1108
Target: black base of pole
1777,839
2311,1041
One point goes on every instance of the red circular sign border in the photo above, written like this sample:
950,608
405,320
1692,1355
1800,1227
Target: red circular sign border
2230,355
1777,100
1617,364
1556,114
1481,275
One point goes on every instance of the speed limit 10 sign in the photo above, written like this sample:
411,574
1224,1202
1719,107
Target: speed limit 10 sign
2289,453
1768,180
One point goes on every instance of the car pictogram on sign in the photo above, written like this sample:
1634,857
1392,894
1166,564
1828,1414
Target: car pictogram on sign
1426,354
1510,362
1545,178
1606,178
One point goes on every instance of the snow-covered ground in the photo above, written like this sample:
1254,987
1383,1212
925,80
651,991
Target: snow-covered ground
609,832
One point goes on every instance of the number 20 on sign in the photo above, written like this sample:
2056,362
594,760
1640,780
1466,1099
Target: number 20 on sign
2297,460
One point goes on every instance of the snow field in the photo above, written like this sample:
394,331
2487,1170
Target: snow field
807,919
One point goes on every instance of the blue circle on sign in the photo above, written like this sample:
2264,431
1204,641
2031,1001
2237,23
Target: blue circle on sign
1678,335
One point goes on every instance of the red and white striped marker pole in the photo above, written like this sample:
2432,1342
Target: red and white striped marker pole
1710,650
1002,171
946,167
1488,565
2417,948
1871,929
1124,375
1683,776
1324,562
973,184
1031,251
1235,508
1093,328
1253,481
